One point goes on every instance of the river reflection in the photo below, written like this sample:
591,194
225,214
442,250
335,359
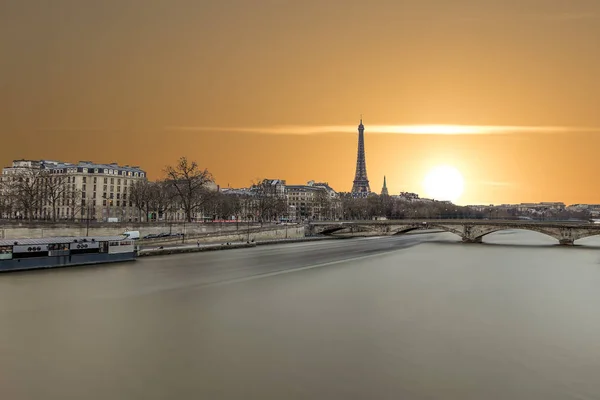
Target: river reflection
514,318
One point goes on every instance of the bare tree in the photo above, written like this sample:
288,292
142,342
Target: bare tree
140,197
161,198
27,187
228,205
55,189
269,201
7,197
77,203
323,202
190,183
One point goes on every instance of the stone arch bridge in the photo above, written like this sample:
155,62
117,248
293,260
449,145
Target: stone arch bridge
470,231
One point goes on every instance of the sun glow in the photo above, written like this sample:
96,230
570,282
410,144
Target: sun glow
444,183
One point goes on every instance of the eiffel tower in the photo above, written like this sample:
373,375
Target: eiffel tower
360,187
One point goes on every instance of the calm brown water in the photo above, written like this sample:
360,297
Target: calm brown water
439,320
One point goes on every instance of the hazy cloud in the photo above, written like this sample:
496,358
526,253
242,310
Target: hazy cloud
388,129
569,16
494,183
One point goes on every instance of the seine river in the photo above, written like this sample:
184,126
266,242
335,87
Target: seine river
404,318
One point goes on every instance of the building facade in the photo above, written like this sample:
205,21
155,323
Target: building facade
54,190
313,201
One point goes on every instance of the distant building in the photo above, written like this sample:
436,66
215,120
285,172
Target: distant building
91,190
409,196
317,201
480,208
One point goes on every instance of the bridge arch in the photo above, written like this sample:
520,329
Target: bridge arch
585,235
406,229
332,229
480,235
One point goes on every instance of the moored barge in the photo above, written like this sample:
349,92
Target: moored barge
52,252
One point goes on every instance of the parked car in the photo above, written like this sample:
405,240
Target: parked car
134,235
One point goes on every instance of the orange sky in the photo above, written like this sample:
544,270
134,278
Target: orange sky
116,80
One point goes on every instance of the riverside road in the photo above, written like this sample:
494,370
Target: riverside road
401,317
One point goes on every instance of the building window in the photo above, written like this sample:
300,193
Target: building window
105,180
95,171
118,188
95,179
118,203
118,181
112,188
84,179
83,187
104,188
94,188
112,181
85,170
104,202
118,195
94,195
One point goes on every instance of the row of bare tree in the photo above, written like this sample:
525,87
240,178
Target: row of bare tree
36,194
398,208
186,188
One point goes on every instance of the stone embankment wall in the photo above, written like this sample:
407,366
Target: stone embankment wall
256,234
12,230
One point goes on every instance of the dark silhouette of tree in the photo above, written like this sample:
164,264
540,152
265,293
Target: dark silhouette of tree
140,197
190,183
27,189
269,202
56,190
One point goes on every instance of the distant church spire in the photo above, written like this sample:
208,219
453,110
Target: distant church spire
384,190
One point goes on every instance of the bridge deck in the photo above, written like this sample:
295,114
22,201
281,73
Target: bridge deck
504,222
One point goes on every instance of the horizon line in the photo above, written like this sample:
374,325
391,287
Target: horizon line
428,129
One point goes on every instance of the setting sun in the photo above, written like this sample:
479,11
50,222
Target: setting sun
444,183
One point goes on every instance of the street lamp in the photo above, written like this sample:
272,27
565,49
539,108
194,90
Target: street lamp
248,217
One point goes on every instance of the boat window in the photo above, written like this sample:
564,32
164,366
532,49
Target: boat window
5,249
114,243
5,252
58,246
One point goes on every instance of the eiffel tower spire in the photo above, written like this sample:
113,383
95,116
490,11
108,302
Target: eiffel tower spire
360,187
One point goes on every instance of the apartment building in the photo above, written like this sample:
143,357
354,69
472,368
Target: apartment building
66,191
315,200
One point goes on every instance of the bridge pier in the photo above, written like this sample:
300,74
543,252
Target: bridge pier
566,242
469,240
